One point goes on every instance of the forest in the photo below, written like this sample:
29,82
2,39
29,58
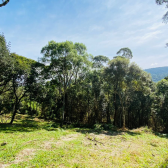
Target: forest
70,86
86,102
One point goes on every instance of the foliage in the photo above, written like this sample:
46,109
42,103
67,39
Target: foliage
126,52
73,87
160,2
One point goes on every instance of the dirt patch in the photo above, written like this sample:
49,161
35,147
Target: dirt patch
70,137
60,142
105,146
24,155
4,165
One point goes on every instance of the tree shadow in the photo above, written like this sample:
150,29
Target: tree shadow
161,135
28,124
106,132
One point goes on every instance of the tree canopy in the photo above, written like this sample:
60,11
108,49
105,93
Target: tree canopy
71,86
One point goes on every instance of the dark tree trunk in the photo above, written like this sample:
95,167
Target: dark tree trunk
14,113
128,119
108,114
115,111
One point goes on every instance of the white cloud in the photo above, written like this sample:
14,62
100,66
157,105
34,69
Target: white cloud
148,36
156,26
154,64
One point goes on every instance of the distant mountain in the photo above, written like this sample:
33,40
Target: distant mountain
158,73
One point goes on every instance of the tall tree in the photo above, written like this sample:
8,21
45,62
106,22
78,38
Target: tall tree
22,80
126,52
6,64
116,74
65,63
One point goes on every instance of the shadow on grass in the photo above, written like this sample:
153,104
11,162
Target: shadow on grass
107,132
18,127
27,125
161,135
30,124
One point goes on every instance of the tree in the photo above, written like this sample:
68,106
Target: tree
160,2
165,17
4,2
99,60
161,108
6,65
130,86
116,74
66,61
23,79
126,52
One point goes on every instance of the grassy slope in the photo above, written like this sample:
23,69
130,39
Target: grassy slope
35,143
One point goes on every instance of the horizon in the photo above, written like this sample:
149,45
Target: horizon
103,26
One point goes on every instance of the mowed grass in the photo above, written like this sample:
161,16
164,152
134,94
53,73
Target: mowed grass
37,143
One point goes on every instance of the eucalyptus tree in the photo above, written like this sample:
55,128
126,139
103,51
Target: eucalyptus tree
6,65
64,61
100,61
125,52
162,101
129,82
116,74
139,100
97,81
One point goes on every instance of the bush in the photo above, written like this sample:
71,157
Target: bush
98,127
109,127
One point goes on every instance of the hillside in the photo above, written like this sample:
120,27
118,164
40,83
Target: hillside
158,73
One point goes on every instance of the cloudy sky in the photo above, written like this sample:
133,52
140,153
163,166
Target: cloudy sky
104,26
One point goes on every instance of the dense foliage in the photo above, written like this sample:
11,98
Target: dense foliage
69,85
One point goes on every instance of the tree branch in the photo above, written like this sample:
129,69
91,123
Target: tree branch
4,3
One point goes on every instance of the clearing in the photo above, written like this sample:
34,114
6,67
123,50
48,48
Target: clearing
36,143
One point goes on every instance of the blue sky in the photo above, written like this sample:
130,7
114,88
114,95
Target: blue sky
104,26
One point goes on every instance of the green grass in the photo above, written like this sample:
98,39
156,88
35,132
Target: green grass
37,143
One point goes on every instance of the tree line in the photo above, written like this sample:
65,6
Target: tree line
69,85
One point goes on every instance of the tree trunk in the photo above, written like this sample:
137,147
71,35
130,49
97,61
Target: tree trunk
115,111
14,113
108,111
108,115
123,111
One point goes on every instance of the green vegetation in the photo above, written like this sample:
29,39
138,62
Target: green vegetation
70,86
73,109
31,142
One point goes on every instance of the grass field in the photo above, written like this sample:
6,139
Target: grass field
37,143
